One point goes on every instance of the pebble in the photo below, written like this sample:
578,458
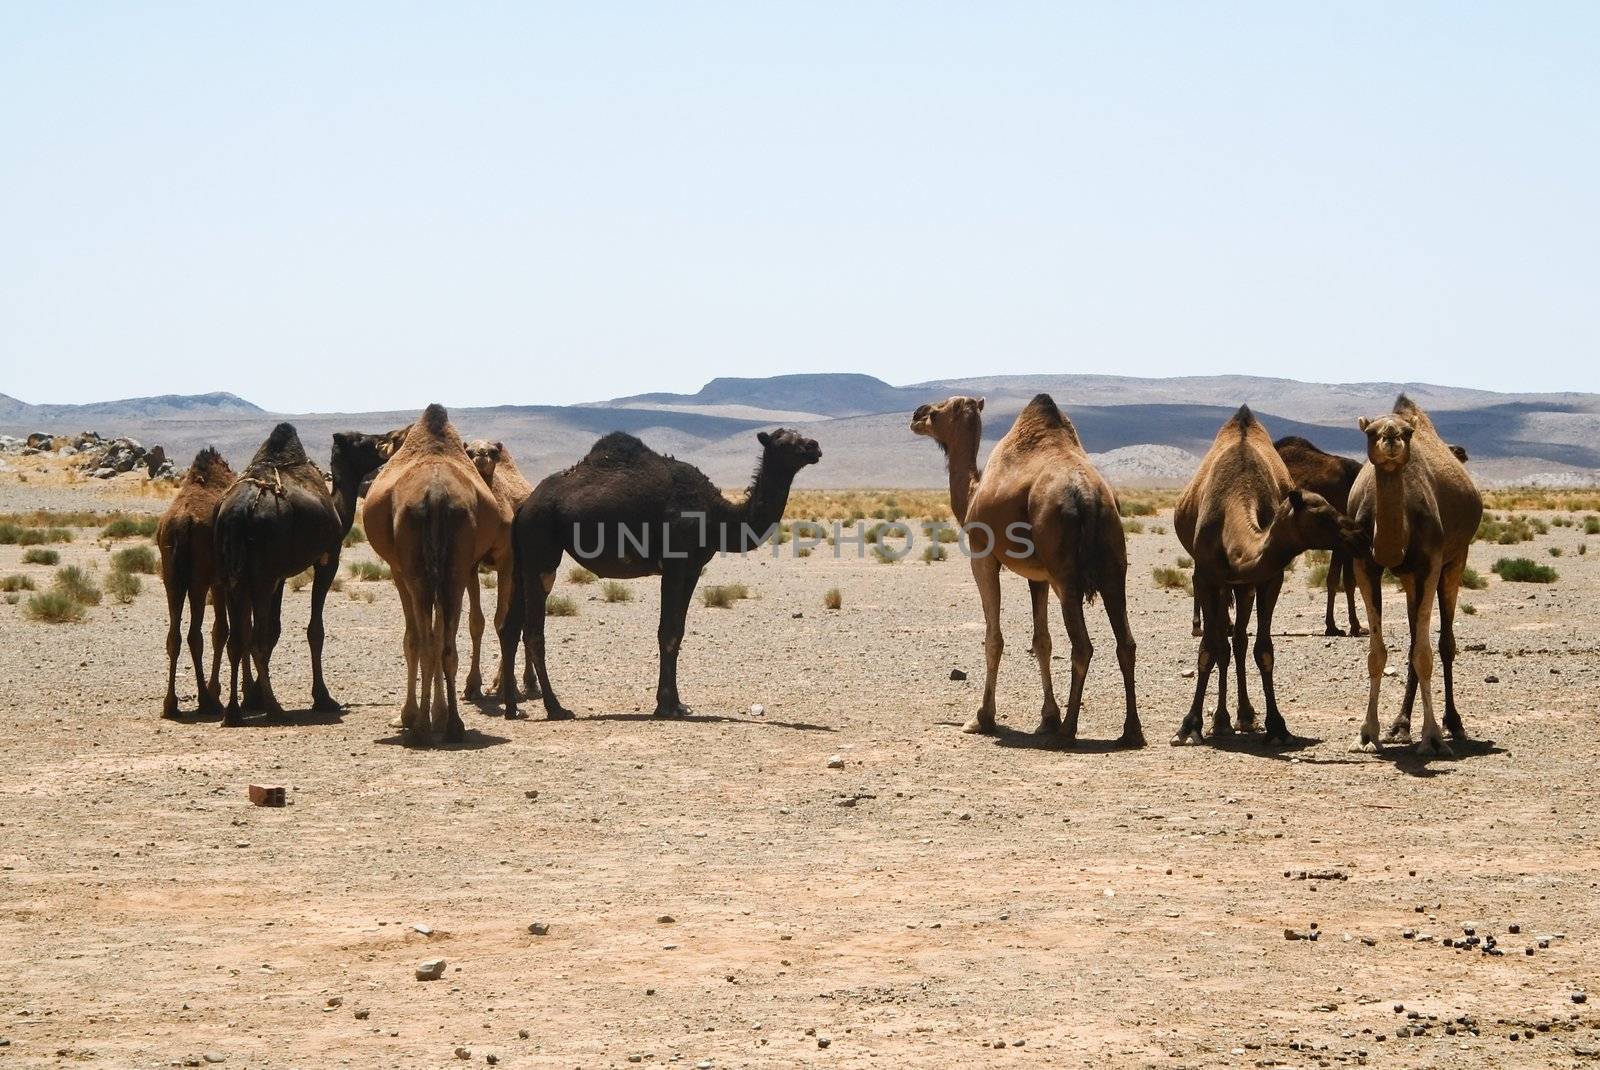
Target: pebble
836,762
431,970
957,674
539,928
363,1013
665,919
463,1053
1580,997
758,710
823,1042
214,1057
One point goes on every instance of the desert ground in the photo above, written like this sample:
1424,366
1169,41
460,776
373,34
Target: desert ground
711,893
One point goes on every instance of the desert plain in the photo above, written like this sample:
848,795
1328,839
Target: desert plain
817,868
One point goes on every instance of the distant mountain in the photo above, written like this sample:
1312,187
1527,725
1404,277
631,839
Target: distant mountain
1143,431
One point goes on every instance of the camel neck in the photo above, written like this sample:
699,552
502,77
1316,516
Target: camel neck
1256,554
1389,535
344,501
962,462
763,508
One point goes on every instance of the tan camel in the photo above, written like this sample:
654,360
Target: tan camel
432,519
495,464
1242,520
187,538
1041,510
1420,510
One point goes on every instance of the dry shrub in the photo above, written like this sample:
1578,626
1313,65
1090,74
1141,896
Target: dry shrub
556,606
580,575
55,607
833,599
140,559
612,591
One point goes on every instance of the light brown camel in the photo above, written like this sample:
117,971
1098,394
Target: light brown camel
495,464
430,516
1041,510
187,538
1420,510
1242,520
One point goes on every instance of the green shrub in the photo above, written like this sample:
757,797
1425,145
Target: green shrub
1169,578
580,575
1472,580
55,607
934,551
75,583
1469,609
833,599
17,582
1591,525
557,606
17,535
128,527
1136,507
1522,570
368,570
1555,551
123,586
140,559
612,591
37,556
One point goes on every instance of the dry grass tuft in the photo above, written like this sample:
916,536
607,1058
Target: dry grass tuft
612,591
39,556
833,599
557,606
580,575
139,559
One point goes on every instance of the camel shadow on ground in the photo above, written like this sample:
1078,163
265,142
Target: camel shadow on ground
474,740
291,719
1404,756
707,718
1027,739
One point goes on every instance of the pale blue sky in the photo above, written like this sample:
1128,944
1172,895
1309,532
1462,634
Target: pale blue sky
352,206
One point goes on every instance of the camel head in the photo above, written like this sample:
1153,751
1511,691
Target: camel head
485,455
949,420
787,450
357,455
1388,440
1310,522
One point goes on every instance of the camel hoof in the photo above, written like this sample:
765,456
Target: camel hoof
1197,631
398,722
979,726
1435,747
1221,728
413,737
558,713
232,718
1399,737
472,693
1048,726
1279,738
1357,632
1334,630
1364,746
1188,737
169,708
515,715
672,709
455,731
325,704
1131,740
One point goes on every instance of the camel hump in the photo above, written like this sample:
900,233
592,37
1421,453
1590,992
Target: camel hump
1404,406
1295,442
1043,409
282,448
435,418
618,447
1244,419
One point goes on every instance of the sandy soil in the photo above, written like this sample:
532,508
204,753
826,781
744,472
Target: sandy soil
937,897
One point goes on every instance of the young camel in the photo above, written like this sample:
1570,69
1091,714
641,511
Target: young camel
431,517
495,464
187,538
626,511
1243,520
1420,510
1061,531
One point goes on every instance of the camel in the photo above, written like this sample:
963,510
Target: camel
626,511
495,464
186,536
432,518
1242,520
277,520
1420,511
1063,532
1332,477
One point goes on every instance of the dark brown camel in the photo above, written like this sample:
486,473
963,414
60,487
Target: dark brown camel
1243,520
276,521
1332,477
186,536
626,511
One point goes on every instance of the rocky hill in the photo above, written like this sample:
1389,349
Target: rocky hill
1143,431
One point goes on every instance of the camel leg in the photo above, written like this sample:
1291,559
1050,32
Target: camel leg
1400,728
1335,574
413,729
1449,590
240,626
1114,596
267,612
1266,604
1244,601
219,639
677,590
474,688
197,649
1356,630
986,571
454,729
1082,652
539,586
1432,741
175,594
1369,579
1050,713
321,582
1197,629
508,627
1210,598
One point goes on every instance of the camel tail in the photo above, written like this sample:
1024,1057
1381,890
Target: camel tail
232,546
436,547
1093,549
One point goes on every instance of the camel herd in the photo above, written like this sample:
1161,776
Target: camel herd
438,509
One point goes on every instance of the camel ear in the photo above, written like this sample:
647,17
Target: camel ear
1363,423
763,438
1297,501
980,404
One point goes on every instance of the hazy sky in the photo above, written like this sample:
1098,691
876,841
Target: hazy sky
351,206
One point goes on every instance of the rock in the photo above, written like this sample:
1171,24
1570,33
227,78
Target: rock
362,1014
1580,997
1491,679
491,1058
154,460
425,930
463,1053
957,674
103,473
431,970
665,919
334,1001
823,1042
539,928
267,794
214,1057
758,710
836,762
